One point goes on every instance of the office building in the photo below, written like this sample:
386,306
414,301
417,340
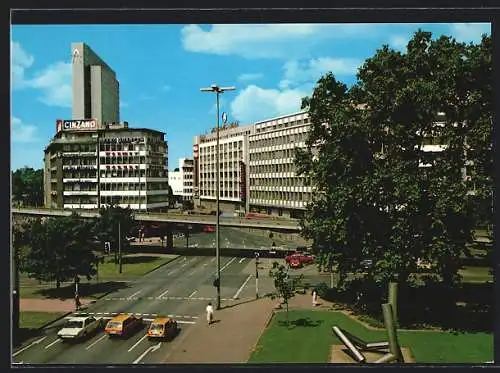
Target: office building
94,87
181,180
275,188
233,168
88,165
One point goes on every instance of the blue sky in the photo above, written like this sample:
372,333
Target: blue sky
162,67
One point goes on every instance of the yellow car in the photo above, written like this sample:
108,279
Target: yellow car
123,324
163,327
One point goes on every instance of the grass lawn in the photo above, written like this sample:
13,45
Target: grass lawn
34,320
109,279
311,335
476,274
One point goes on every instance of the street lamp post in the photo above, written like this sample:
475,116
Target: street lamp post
217,90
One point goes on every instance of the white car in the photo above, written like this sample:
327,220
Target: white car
78,327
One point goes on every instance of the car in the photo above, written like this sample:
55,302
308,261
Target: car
295,263
303,258
123,324
80,327
162,327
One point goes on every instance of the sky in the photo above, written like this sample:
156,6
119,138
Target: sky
161,69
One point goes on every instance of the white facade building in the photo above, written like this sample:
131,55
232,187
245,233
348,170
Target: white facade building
181,179
275,188
233,167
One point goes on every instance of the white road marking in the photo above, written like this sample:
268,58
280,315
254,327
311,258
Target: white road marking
162,294
241,260
227,264
193,293
53,343
241,287
204,265
212,259
150,349
136,343
28,346
192,273
172,271
137,292
95,342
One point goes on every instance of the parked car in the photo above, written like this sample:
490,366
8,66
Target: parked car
303,258
123,324
80,327
295,263
163,327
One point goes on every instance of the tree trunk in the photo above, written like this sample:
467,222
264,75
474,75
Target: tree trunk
58,284
287,322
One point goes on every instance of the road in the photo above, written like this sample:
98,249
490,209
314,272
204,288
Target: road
232,238
181,288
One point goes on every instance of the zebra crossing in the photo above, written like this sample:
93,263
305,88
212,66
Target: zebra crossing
163,298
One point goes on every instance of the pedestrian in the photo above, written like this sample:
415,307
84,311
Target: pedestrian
77,302
314,298
210,313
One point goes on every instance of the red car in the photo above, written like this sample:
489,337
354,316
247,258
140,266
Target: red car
300,257
295,263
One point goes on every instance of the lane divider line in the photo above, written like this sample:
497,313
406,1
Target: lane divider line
227,264
242,286
53,343
162,294
241,260
133,295
136,343
193,293
30,345
95,342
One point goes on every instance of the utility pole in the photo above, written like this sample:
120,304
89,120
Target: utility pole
256,275
119,248
217,90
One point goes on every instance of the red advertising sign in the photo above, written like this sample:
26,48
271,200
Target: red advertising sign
59,125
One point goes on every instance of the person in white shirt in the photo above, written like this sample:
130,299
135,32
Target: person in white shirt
210,313
314,298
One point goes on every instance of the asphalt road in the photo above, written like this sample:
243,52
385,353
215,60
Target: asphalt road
232,238
181,288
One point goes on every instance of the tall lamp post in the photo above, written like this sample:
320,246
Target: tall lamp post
217,90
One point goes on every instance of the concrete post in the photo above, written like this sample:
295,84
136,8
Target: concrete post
170,239
391,331
393,300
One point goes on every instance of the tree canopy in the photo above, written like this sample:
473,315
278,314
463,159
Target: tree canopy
377,192
59,249
106,226
27,186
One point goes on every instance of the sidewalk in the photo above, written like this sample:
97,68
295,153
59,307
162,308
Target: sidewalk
51,305
230,340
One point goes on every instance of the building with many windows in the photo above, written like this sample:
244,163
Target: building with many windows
95,89
275,188
88,165
233,168
181,180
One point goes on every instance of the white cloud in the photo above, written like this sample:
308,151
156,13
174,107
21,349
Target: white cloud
21,132
469,32
145,97
266,40
123,104
299,72
250,76
20,61
166,88
254,103
55,83
399,42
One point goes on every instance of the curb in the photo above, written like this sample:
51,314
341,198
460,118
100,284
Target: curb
161,265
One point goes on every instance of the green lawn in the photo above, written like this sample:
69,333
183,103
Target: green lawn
312,338
34,320
476,274
109,278
137,265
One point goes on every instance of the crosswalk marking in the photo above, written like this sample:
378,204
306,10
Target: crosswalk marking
165,298
135,313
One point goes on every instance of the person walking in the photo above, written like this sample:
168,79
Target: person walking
78,304
210,313
314,298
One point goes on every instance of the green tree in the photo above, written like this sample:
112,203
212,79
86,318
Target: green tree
285,286
59,249
27,186
111,216
364,157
